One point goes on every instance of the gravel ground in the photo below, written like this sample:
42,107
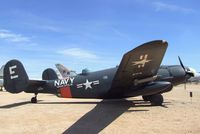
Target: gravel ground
52,115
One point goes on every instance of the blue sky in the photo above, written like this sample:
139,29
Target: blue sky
94,34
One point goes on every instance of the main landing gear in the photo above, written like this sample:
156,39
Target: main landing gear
34,99
156,99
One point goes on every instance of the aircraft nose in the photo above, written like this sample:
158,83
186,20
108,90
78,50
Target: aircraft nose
189,72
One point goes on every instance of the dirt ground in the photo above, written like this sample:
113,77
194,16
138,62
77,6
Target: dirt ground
52,115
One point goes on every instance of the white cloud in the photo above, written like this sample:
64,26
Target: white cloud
12,37
78,53
159,6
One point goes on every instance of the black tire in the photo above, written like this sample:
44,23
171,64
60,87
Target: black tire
145,98
156,100
33,100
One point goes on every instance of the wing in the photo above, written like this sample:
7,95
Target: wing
139,65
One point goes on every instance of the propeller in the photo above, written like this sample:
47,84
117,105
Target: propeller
187,71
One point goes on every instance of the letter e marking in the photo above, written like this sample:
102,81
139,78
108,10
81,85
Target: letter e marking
13,72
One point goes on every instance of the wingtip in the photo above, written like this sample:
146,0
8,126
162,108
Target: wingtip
164,41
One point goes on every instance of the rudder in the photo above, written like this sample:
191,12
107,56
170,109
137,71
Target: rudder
15,77
49,74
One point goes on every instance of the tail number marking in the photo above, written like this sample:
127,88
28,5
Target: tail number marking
12,72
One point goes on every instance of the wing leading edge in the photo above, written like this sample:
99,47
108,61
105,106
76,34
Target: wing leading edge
139,65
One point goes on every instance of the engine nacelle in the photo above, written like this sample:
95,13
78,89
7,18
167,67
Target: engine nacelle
157,87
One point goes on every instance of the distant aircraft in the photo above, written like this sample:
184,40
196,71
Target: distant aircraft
65,72
1,78
137,75
196,78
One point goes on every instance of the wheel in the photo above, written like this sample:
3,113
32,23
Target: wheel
33,100
145,98
156,99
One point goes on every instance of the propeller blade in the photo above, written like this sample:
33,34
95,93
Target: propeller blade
185,84
181,63
187,72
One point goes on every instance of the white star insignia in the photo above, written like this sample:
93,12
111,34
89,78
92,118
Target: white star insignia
87,84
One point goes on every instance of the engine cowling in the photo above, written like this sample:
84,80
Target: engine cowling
157,87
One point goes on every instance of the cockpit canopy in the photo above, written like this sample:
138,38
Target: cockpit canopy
85,71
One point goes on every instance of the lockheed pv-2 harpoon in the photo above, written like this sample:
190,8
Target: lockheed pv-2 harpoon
138,74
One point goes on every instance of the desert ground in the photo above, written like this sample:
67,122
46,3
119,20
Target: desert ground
52,115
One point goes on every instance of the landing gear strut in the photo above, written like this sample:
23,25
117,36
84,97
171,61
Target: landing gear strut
145,98
34,99
156,99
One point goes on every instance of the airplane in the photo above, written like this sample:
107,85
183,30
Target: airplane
65,72
130,79
1,78
196,78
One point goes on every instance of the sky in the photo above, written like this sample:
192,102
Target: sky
95,34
